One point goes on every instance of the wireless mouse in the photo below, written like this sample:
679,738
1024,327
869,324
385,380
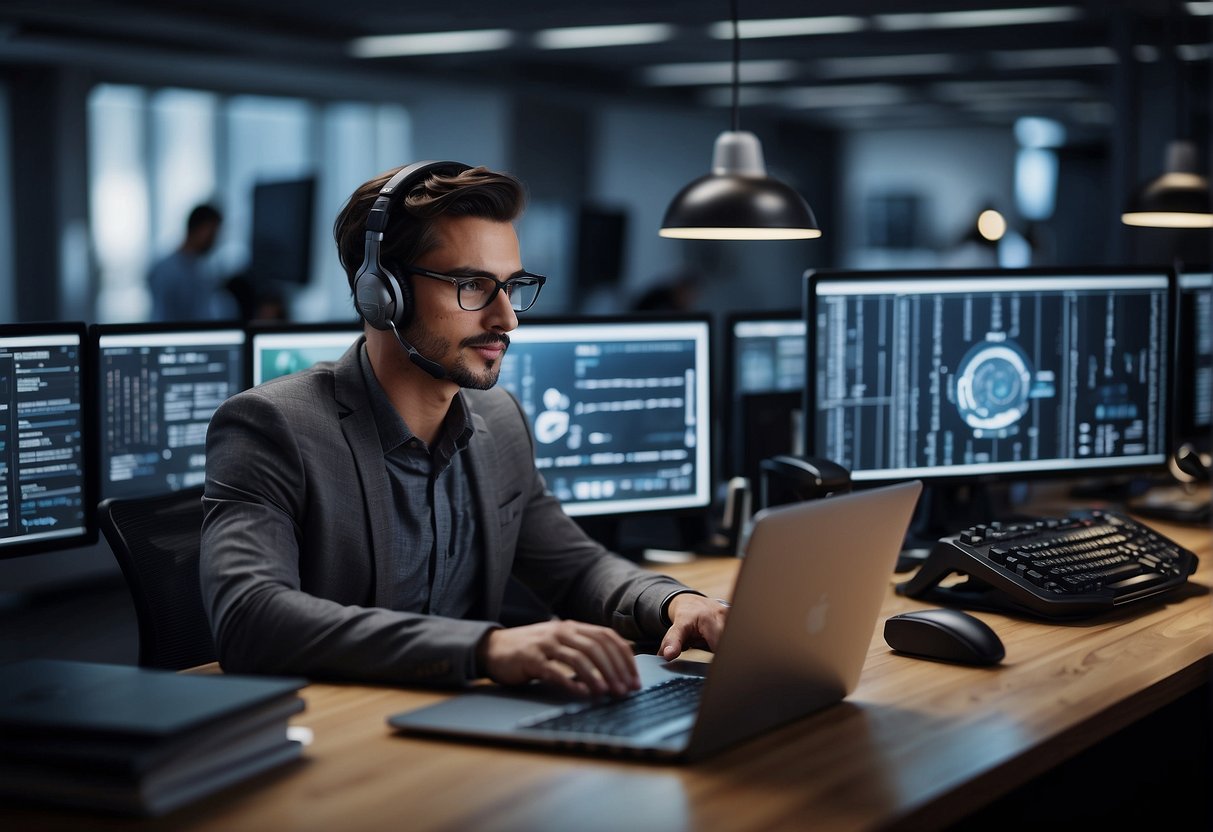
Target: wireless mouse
945,635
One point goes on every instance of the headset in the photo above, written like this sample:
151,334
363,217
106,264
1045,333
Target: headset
384,300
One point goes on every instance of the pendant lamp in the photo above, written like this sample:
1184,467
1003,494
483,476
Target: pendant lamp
1177,199
1180,197
737,200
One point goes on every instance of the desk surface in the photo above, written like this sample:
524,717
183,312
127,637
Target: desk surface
918,743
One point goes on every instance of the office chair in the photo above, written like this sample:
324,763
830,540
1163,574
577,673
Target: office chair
157,541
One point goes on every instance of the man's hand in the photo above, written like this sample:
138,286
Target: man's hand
581,658
698,622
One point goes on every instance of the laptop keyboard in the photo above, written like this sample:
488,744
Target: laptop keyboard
633,716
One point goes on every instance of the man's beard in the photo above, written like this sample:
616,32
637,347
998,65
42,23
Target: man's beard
429,345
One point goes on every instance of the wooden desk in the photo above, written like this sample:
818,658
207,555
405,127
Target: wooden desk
919,744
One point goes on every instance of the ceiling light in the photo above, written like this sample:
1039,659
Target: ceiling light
977,19
1054,89
788,27
1045,58
1177,199
1199,9
737,200
884,65
1194,51
991,225
850,95
717,72
748,96
587,37
431,43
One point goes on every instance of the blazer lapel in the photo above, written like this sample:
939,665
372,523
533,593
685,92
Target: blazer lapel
486,472
358,425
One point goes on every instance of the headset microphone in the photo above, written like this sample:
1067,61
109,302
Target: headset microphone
432,367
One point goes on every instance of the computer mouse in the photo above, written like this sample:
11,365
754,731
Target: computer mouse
945,635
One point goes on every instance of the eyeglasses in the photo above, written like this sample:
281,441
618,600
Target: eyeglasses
475,293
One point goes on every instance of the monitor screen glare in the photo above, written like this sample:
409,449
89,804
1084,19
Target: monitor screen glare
158,392
281,353
768,355
1002,374
42,456
619,411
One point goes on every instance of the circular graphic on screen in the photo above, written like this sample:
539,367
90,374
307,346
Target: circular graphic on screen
992,386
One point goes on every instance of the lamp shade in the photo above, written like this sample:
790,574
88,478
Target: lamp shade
1177,199
737,200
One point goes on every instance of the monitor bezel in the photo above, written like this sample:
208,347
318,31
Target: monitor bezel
98,331
1064,469
89,445
648,318
730,395
1186,429
353,325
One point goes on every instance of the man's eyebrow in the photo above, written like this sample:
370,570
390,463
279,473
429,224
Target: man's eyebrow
468,271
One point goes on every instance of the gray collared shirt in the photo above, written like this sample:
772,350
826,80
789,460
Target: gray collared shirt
435,540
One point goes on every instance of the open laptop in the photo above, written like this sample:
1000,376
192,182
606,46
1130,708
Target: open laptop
805,605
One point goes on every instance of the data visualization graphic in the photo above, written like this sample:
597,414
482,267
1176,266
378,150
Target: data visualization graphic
966,376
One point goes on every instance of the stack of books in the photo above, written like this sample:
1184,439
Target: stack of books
130,740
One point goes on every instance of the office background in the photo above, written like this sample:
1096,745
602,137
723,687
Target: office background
897,127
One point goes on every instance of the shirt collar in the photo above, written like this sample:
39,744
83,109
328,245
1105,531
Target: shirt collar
393,432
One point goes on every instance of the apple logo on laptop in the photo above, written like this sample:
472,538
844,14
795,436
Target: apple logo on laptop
817,615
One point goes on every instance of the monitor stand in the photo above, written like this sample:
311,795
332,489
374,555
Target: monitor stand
944,510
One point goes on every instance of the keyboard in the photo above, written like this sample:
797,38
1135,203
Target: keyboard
638,714
1090,562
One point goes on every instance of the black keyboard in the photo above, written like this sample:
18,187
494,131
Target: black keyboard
630,717
1087,563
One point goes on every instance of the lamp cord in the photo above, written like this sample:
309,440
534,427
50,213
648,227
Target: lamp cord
736,68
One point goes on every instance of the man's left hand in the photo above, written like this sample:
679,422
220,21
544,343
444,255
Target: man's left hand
698,622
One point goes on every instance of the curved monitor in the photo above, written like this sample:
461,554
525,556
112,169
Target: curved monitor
619,409
278,350
48,491
968,374
158,385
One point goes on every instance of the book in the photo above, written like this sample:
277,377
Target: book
137,741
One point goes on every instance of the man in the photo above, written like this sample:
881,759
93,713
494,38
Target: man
362,517
183,285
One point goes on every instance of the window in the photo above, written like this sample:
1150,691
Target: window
154,154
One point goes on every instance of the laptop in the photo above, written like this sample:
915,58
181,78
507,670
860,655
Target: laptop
804,608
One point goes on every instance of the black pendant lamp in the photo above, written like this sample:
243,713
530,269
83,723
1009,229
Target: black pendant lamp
737,200
1177,199
1180,197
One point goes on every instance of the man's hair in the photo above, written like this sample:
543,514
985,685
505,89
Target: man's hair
200,216
410,235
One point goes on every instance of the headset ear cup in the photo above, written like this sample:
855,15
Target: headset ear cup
374,299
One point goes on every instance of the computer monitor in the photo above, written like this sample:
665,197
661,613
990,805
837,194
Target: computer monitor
278,350
46,439
1194,360
764,389
961,375
619,409
281,248
158,385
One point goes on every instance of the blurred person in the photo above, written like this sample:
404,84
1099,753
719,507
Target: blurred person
184,284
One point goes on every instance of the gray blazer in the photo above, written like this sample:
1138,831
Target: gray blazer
294,539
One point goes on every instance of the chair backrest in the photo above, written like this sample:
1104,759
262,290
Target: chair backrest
157,541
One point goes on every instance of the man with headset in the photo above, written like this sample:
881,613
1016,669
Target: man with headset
363,517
